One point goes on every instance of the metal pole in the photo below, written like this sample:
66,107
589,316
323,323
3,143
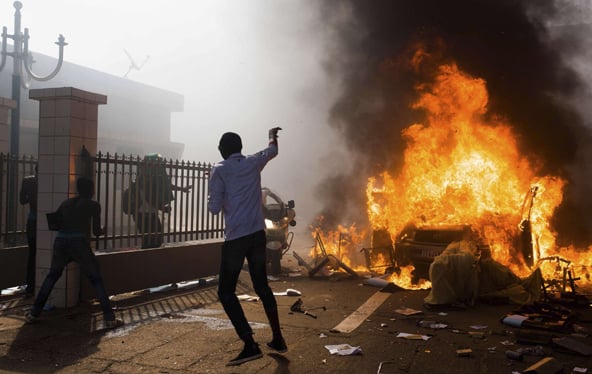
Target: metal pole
13,161
14,127
21,60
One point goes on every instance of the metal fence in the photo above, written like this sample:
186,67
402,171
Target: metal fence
13,215
146,201
150,201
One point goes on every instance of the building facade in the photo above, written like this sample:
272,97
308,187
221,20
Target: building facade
136,120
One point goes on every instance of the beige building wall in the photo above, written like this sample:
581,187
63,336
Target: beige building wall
67,123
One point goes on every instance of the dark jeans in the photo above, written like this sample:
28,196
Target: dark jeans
32,243
150,226
73,249
234,253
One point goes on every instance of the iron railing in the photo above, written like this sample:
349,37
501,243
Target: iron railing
13,215
158,190
183,216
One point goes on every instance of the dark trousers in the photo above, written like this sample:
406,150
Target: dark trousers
234,253
32,243
150,227
73,249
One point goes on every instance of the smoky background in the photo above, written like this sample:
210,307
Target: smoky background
333,75
531,54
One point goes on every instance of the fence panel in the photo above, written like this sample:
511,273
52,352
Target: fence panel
173,216
13,215
166,201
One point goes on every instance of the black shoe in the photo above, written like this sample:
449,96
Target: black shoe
278,345
251,352
30,318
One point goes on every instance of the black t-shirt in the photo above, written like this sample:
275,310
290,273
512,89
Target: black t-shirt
77,213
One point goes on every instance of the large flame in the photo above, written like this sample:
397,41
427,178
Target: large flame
344,244
462,165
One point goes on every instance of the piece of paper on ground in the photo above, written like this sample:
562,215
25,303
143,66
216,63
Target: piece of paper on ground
343,350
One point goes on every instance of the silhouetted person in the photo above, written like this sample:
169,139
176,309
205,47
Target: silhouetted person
28,195
72,243
155,196
235,189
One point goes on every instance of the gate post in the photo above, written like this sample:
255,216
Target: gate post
67,123
6,105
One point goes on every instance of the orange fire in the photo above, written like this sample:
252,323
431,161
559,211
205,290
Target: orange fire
462,167
343,243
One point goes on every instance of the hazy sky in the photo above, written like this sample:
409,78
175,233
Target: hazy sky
242,66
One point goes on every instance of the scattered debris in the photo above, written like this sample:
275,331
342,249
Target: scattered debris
246,297
297,308
546,365
13,290
458,331
408,336
541,316
432,324
326,259
532,351
288,292
408,311
343,350
359,315
465,352
514,320
383,363
514,355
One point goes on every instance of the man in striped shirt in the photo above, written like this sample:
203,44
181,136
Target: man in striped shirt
235,189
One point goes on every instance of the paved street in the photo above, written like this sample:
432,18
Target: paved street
185,330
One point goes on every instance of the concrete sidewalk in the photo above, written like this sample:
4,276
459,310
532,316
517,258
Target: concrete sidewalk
186,331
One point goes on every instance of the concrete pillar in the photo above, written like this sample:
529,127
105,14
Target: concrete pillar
6,106
67,123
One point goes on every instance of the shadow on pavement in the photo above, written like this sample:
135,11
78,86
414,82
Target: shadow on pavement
45,343
283,363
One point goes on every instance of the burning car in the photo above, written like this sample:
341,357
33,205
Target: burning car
418,246
278,217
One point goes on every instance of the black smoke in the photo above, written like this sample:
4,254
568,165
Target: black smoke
505,42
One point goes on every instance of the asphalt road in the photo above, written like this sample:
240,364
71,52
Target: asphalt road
185,330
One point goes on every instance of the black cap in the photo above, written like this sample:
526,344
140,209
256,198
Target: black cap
230,143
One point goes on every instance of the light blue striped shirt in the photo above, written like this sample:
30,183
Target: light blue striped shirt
235,189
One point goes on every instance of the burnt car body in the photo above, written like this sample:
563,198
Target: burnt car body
418,246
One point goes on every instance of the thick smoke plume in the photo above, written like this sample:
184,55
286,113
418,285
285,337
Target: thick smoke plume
506,42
